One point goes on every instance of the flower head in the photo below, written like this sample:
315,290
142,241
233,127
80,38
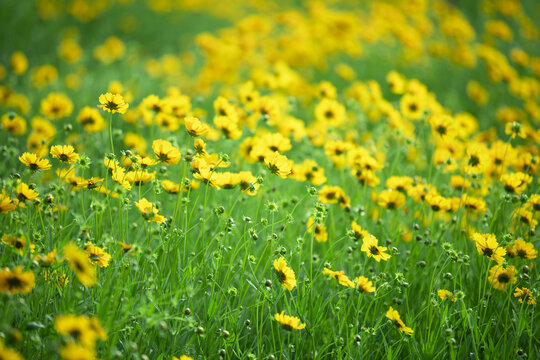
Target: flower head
195,127
284,273
97,255
372,249
34,162
446,295
113,103
487,245
500,277
525,294
340,277
149,211
80,264
25,193
17,281
363,284
523,250
289,322
166,152
394,316
65,153
278,164
391,199
6,203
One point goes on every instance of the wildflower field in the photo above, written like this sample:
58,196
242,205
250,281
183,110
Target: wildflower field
204,179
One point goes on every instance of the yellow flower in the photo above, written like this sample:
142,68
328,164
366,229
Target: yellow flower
228,126
477,159
372,249
14,124
334,194
34,162
412,106
321,235
364,285
359,233
522,249
91,119
72,351
525,294
330,112
148,211
394,316
56,106
487,245
500,277
278,164
515,183
97,255
515,128
19,63
289,322
16,281
24,193
284,273
182,357
6,203
195,127
17,242
340,277
166,152
391,199
78,327
126,247
446,295
8,353
113,103
65,153
80,264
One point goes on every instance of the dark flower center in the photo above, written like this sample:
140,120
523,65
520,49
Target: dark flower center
474,160
111,105
503,278
374,250
14,282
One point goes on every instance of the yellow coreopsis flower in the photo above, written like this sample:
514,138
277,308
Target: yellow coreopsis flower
149,211
372,249
113,103
195,127
65,153
97,255
525,294
278,164
289,322
284,273
340,277
394,316
17,281
500,277
487,245
80,264
166,152
363,284
446,295
34,162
